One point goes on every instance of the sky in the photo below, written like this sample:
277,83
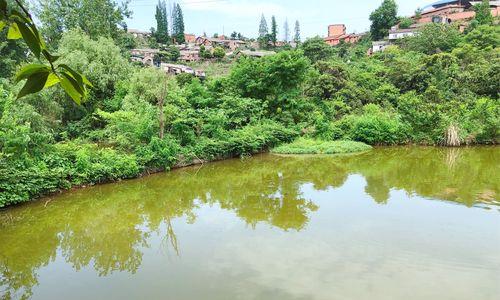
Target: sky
226,16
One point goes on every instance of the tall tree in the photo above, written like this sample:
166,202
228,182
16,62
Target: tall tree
263,33
274,31
95,17
286,32
178,24
161,16
263,27
296,37
383,18
483,13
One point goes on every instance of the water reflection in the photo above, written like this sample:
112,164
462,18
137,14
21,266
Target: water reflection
108,227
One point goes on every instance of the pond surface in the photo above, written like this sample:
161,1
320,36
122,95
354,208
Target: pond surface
393,223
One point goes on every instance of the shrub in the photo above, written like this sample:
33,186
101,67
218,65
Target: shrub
65,165
374,127
219,53
159,153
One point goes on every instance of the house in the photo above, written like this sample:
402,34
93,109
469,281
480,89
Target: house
190,55
256,53
457,12
337,34
189,38
397,33
203,41
144,56
449,11
138,33
379,46
180,69
218,42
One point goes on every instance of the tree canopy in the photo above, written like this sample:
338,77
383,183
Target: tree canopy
383,18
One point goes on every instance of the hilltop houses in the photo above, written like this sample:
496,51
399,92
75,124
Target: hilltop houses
219,42
456,12
337,33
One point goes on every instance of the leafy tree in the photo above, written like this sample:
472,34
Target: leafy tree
274,31
484,36
178,24
296,37
316,49
433,38
483,13
94,17
405,23
383,18
204,53
219,53
99,60
161,16
272,76
418,13
169,54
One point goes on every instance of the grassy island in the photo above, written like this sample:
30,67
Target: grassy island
312,146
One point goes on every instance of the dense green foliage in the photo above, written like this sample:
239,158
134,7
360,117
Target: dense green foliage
483,13
138,120
95,17
310,146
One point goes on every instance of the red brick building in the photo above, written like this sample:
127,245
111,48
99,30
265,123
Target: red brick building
337,34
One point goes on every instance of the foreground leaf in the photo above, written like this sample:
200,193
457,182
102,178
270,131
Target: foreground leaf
31,39
52,79
71,87
34,84
80,78
31,69
14,32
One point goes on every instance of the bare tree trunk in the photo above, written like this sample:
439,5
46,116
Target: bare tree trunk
161,118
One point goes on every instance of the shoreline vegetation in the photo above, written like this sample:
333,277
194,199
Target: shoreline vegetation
310,146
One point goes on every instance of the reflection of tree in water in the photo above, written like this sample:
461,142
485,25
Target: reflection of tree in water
106,226
462,175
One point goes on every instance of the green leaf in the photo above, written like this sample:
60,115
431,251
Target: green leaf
31,39
2,25
31,69
34,84
70,85
50,57
80,78
14,32
52,80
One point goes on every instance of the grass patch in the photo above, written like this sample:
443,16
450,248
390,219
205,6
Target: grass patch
310,146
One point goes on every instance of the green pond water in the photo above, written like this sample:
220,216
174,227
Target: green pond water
392,223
